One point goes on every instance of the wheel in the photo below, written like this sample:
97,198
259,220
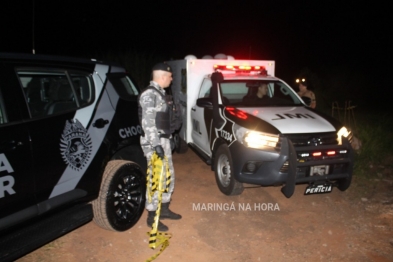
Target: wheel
181,146
122,196
343,184
223,169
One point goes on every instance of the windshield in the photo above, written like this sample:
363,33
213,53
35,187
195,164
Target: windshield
251,93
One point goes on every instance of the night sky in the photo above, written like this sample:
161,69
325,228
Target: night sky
296,34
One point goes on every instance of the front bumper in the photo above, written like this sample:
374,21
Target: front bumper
287,167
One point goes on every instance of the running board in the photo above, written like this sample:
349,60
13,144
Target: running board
26,239
201,154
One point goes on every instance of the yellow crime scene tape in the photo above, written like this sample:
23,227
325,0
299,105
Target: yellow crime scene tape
158,180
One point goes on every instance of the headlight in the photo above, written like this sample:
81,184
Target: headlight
260,140
343,132
254,139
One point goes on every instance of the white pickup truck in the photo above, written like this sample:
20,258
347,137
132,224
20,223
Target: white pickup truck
277,140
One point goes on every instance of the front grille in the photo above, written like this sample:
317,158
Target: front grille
314,139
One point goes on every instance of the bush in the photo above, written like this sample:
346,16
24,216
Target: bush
374,131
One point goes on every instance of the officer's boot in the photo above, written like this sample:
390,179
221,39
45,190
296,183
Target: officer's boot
150,221
168,214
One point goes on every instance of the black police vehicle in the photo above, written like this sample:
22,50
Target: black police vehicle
69,149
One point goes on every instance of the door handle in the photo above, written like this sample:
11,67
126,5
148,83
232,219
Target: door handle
193,109
100,123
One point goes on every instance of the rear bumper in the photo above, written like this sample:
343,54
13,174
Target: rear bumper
287,167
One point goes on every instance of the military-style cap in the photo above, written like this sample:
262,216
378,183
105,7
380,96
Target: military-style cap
163,67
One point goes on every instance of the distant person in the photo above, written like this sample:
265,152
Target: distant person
260,96
304,92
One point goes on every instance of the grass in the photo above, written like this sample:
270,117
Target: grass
374,131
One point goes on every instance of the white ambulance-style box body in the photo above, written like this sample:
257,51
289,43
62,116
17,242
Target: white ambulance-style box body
253,128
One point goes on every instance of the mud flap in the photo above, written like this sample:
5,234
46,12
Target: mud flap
289,188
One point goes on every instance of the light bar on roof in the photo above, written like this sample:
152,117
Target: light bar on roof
242,69
239,67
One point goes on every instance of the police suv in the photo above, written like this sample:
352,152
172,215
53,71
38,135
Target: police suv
277,140
69,149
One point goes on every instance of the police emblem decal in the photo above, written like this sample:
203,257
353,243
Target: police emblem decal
75,145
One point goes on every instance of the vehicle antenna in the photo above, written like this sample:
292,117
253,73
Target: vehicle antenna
33,28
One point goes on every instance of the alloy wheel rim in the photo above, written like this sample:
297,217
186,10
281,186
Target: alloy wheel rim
126,197
224,170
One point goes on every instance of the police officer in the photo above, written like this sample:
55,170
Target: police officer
304,92
155,121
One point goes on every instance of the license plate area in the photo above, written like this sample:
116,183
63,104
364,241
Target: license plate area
319,170
318,189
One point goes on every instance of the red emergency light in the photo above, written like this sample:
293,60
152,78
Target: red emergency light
329,153
236,112
241,68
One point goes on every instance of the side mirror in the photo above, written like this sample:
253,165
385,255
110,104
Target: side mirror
217,77
306,100
205,102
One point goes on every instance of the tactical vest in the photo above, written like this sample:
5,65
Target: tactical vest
170,120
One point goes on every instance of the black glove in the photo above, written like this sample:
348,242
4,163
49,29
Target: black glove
172,142
160,151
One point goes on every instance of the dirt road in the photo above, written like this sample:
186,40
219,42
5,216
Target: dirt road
259,225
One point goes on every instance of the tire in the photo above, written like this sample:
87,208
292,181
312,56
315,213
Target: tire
122,196
132,153
343,184
181,146
223,169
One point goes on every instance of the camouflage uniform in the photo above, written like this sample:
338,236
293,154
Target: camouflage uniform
151,103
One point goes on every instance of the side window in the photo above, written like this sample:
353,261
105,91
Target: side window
270,89
205,88
51,92
12,108
124,86
83,86
281,91
234,91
